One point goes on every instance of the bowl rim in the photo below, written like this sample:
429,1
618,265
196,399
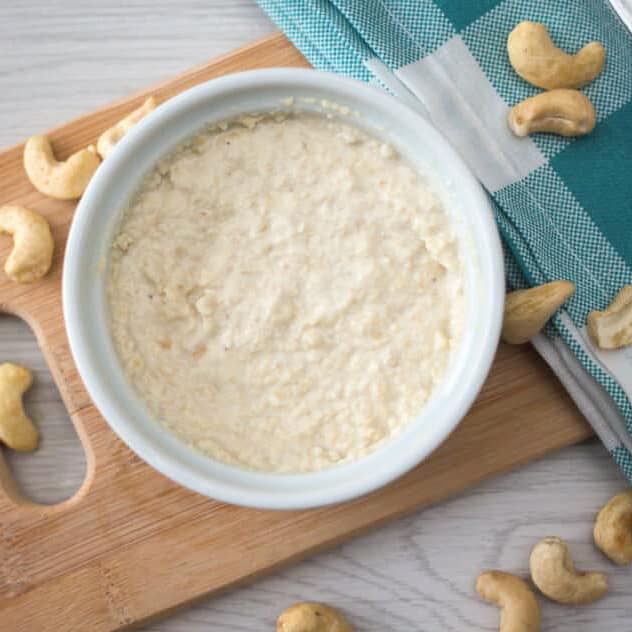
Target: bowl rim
283,491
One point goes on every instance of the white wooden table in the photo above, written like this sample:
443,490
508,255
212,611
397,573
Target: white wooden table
61,59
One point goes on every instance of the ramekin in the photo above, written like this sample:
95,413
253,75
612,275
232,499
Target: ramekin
85,273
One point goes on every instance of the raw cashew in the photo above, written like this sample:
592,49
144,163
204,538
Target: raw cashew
312,617
111,136
520,611
537,59
16,429
613,528
33,244
65,180
527,311
612,328
553,572
564,112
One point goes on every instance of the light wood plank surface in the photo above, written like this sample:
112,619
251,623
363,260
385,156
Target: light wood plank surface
65,58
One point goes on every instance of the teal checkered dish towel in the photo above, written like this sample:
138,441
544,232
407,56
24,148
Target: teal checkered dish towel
563,206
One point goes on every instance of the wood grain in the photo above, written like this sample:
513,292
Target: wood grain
90,559
417,574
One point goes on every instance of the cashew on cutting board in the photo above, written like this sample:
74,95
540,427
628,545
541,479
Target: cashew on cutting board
111,136
64,180
16,429
33,244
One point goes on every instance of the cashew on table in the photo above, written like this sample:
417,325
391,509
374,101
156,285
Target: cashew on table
312,617
564,112
613,528
539,61
553,572
16,429
33,244
527,311
520,611
64,180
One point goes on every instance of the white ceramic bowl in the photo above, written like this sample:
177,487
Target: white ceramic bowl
86,312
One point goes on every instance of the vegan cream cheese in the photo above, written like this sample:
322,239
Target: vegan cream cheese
285,292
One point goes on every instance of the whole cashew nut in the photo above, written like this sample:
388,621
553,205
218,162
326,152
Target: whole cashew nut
520,611
16,429
564,112
111,136
612,328
527,311
539,61
553,572
613,528
33,243
312,617
65,180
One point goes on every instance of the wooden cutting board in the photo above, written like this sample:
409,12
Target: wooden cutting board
131,545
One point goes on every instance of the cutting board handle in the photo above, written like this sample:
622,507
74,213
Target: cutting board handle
39,305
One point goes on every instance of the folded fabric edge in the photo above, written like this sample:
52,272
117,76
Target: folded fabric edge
591,399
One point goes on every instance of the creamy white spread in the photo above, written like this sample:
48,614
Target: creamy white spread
285,292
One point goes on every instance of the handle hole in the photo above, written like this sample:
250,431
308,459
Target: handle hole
56,470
